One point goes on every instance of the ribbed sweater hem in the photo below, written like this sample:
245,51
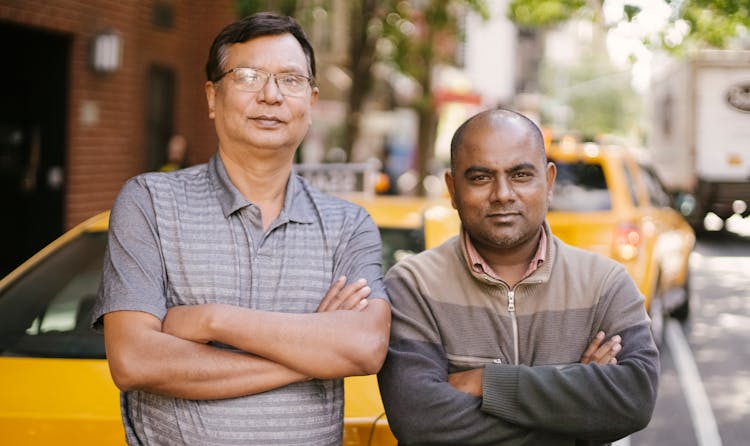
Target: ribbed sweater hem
500,391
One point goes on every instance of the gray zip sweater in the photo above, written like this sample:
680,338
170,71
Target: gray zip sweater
529,339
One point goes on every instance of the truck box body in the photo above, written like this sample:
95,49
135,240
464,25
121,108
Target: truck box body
700,137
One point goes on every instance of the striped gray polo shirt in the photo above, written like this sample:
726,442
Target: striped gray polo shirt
190,237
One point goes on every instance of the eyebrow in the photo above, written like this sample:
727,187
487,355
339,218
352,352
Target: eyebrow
517,168
477,169
286,69
522,166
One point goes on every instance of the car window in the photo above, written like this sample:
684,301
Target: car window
631,186
657,195
399,243
580,187
47,312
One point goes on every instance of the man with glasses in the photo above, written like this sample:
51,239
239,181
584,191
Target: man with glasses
227,313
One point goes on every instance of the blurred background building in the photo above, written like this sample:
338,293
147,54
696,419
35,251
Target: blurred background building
93,90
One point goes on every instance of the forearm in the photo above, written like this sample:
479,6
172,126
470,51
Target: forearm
589,401
146,359
323,345
423,408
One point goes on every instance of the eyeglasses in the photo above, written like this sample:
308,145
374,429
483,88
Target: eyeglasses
254,79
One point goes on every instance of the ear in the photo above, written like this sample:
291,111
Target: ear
451,187
313,100
551,175
210,98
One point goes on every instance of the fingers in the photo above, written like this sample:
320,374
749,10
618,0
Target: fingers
352,295
333,291
609,351
602,353
345,297
595,343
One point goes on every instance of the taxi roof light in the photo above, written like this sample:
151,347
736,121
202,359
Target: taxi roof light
570,145
591,149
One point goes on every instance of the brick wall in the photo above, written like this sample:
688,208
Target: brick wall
106,112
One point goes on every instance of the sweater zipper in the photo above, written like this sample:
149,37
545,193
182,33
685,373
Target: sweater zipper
512,311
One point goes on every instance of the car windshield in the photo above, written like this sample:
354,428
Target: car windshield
580,187
47,312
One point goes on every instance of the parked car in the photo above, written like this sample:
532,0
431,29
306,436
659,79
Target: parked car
55,383
56,386
407,225
605,201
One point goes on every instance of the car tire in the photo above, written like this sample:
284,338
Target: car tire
696,217
658,320
682,312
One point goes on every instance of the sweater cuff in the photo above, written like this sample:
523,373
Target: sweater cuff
500,390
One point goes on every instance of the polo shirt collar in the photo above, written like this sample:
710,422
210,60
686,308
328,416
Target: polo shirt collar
297,205
542,269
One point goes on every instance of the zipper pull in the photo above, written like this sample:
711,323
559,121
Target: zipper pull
511,301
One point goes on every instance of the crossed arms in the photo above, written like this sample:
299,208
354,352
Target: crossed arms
344,337
347,335
596,399
427,405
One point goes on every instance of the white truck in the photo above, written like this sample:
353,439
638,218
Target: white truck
700,135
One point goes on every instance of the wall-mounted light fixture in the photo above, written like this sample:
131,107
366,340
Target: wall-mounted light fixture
106,48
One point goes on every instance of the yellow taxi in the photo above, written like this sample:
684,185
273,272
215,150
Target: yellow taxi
407,225
607,200
54,379
55,384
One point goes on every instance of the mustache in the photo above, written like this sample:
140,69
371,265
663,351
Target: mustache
503,210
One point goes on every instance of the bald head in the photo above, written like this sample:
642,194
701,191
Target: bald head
499,120
500,183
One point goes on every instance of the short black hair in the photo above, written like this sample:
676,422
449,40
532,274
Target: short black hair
499,113
255,25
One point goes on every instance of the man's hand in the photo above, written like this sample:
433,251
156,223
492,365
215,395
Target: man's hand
345,297
469,381
189,322
602,354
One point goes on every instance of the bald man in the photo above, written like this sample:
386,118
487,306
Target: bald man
493,331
